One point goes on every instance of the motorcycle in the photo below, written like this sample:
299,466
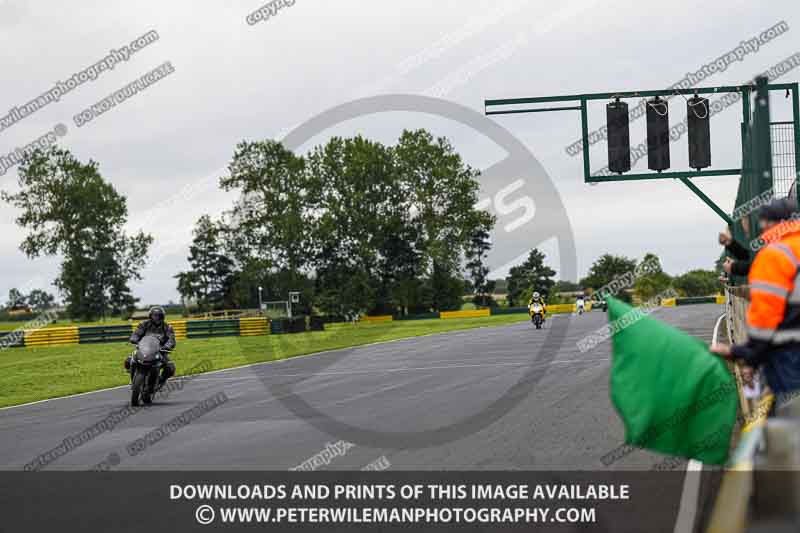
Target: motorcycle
580,307
145,368
537,315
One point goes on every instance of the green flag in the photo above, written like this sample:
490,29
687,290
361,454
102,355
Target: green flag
673,395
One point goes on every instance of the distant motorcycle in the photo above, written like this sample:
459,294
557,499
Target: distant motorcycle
580,307
145,368
537,314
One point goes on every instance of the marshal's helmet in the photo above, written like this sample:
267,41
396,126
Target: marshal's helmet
778,210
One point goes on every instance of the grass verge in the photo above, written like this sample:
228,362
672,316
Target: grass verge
31,374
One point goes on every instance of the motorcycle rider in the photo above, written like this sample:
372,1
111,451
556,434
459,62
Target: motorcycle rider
536,298
580,305
157,326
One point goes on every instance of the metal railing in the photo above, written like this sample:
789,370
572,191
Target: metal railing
761,487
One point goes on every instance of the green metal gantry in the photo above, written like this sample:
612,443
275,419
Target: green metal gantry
756,168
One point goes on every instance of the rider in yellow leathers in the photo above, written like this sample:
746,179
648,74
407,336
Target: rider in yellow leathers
536,298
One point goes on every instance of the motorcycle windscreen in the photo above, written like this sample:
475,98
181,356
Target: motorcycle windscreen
149,348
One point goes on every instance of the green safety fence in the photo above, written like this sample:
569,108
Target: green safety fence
769,161
783,158
98,334
212,328
508,310
696,300
418,316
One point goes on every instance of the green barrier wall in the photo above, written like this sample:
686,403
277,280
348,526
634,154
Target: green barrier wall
508,310
98,334
696,300
212,328
420,316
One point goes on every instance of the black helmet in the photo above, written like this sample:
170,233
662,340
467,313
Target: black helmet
157,314
777,210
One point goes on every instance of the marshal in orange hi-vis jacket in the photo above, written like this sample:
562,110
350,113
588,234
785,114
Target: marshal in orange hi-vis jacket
773,318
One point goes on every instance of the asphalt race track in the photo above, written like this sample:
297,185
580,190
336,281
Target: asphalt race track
563,421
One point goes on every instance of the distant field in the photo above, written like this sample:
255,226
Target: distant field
30,374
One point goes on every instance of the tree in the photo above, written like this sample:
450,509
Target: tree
360,231
40,300
698,283
608,268
271,221
476,254
15,299
187,283
209,280
71,211
440,191
652,280
343,292
566,286
372,228
532,275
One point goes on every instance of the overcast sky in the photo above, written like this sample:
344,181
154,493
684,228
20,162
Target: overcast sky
165,147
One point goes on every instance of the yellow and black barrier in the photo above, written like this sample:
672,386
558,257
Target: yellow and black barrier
180,329
251,327
469,313
52,336
254,326
184,329
379,318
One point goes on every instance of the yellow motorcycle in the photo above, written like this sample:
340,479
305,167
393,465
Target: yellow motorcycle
536,310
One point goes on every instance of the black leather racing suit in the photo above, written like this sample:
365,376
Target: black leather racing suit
166,336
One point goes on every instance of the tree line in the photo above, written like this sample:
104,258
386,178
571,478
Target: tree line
354,225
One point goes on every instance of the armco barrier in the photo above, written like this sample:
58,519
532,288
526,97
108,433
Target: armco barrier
697,300
382,318
195,329
419,316
202,329
180,329
472,313
759,490
52,336
508,310
251,327
198,329
98,334
552,309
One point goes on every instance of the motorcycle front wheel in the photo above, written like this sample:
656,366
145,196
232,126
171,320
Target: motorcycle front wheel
150,386
137,385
